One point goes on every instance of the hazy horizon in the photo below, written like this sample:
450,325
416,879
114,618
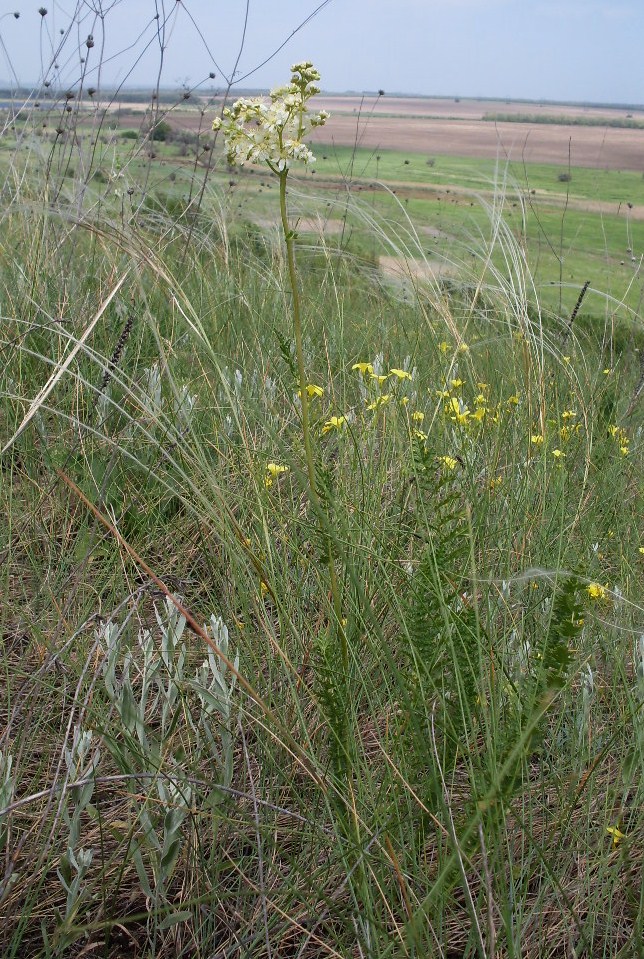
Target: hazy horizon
538,50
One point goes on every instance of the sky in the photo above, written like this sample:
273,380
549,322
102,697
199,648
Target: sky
580,50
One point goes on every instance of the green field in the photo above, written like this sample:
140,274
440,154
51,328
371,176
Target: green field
476,174
321,586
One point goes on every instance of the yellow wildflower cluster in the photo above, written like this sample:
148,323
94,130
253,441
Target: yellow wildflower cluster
621,436
367,370
597,591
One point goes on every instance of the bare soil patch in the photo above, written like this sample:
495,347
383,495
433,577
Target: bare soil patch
610,148
404,269
311,224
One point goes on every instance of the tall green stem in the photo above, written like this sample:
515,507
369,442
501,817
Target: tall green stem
297,327
306,425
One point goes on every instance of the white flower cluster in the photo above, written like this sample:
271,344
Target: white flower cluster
258,131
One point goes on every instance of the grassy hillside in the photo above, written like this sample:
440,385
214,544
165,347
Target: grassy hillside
398,714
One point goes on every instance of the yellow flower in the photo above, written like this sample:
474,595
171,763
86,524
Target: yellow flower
401,374
568,414
480,400
334,423
444,346
620,434
364,368
566,359
479,414
418,416
442,394
455,384
312,390
448,462
496,481
379,401
616,833
558,454
379,377
273,470
483,386
463,348
641,550
513,400
596,591
263,588
405,401
420,435
536,439
607,372
456,413
565,433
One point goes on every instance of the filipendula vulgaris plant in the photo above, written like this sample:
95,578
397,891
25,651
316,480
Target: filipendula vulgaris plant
272,131
154,696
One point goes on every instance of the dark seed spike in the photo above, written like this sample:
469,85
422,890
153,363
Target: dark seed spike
117,353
